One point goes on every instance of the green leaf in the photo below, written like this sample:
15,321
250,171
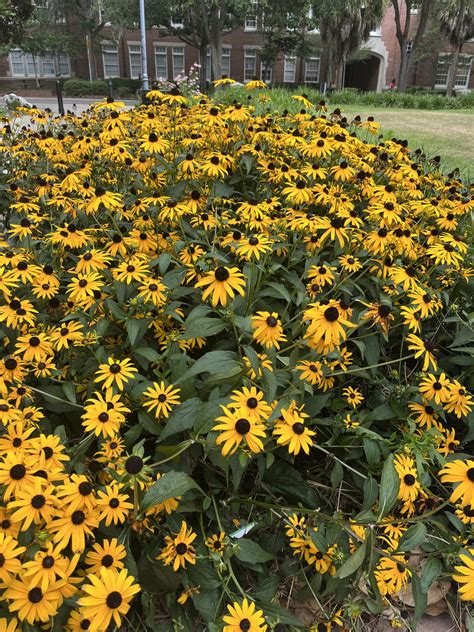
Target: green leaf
389,486
412,537
136,328
197,324
371,490
420,598
276,290
220,364
69,391
170,485
353,563
182,418
149,354
282,615
431,571
251,552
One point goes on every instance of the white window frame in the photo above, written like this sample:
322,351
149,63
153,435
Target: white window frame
110,45
174,52
41,62
155,53
311,59
456,84
250,23
134,53
248,55
269,77
225,68
290,60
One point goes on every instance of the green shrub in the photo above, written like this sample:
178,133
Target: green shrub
84,88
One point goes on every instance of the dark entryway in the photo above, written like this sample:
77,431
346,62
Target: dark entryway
362,74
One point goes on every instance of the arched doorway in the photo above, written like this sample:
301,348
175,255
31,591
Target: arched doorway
363,74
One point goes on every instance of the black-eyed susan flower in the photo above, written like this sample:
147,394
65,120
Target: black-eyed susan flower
291,430
161,399
435,388
105,554
116,373
409,484
327,324
392,574
74,527
251,400
107,598
10,555
34,346
460,401
32,604
465,576
267,329
15,474
311,371
253,247
36,503
423,349
353,396
236,428
48,566
424,414
216,543
179,549
221,284
244,616
461,473
113,504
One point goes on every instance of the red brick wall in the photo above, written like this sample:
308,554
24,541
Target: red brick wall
421,74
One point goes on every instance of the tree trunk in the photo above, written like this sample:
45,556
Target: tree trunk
203,64
36,72
339,79
403,70
216,56
453,67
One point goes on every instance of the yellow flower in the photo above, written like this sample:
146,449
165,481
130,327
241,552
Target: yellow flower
179,549
162,398
223,283
107,597
115,373
244,616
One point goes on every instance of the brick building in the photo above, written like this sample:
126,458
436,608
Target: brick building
168,56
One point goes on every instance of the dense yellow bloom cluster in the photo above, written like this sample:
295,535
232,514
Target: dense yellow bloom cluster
269,287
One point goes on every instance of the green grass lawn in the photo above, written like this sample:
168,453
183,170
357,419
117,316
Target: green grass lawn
445,133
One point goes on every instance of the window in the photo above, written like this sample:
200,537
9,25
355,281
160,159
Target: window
463,71
251,18
161,62
311,70
225,62
265,73
49,65
110,59
135,56
289,72
178,60
250,63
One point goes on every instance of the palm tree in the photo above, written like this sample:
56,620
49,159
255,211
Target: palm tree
344,25
457,24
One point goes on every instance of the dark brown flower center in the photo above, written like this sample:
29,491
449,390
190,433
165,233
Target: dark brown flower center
242,426
114,600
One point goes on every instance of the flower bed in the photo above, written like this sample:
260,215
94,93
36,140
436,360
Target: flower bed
235,371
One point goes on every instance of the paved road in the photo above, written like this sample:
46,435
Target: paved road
75,105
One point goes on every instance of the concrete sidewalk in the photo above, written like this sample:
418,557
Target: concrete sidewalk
74,105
